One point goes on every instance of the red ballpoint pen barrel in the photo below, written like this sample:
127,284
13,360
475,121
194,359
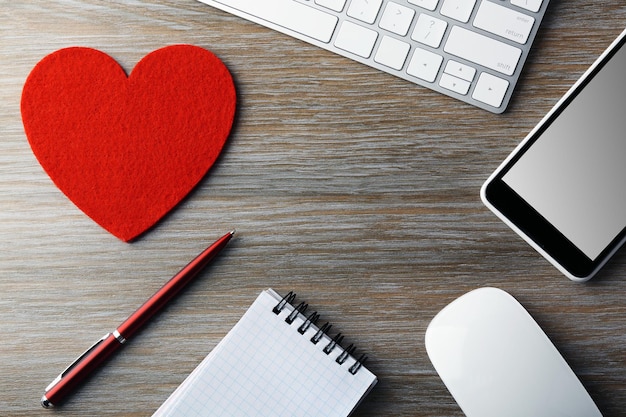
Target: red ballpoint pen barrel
132,324
68,381
65,383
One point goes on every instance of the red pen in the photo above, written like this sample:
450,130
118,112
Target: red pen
85,364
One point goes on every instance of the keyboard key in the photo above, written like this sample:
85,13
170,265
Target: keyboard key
336,5
426,4
490,89
530,5
356,39
291,15
392,52
505,22
454,84
397,18
429,30
424,65
462,71
460,10
482,50
364,10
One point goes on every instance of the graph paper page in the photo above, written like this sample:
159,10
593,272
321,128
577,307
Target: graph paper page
265,367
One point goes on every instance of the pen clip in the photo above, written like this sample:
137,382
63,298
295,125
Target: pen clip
75,362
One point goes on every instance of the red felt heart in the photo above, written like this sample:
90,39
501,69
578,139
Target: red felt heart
126,150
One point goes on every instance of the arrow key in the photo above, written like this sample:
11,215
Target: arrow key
424,65
490,89
459,70
455,84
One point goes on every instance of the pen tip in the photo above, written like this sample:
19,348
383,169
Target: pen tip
45,403
232,232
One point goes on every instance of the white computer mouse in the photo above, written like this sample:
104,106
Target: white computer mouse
497,362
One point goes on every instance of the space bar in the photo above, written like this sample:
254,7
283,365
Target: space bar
289,14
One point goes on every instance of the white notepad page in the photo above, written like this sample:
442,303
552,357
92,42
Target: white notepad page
265,367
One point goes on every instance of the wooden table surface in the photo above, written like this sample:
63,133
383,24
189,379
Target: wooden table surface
357,190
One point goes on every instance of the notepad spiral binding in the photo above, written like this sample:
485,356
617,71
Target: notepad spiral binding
311,320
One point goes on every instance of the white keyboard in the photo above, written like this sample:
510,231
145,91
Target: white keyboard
472,50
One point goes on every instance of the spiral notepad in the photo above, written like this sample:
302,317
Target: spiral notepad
274,362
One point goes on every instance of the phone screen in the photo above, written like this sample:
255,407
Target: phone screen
565,187
574,175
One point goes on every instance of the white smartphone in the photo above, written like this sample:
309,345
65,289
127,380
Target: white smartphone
563,189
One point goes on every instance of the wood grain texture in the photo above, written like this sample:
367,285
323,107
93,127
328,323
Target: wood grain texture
355,189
